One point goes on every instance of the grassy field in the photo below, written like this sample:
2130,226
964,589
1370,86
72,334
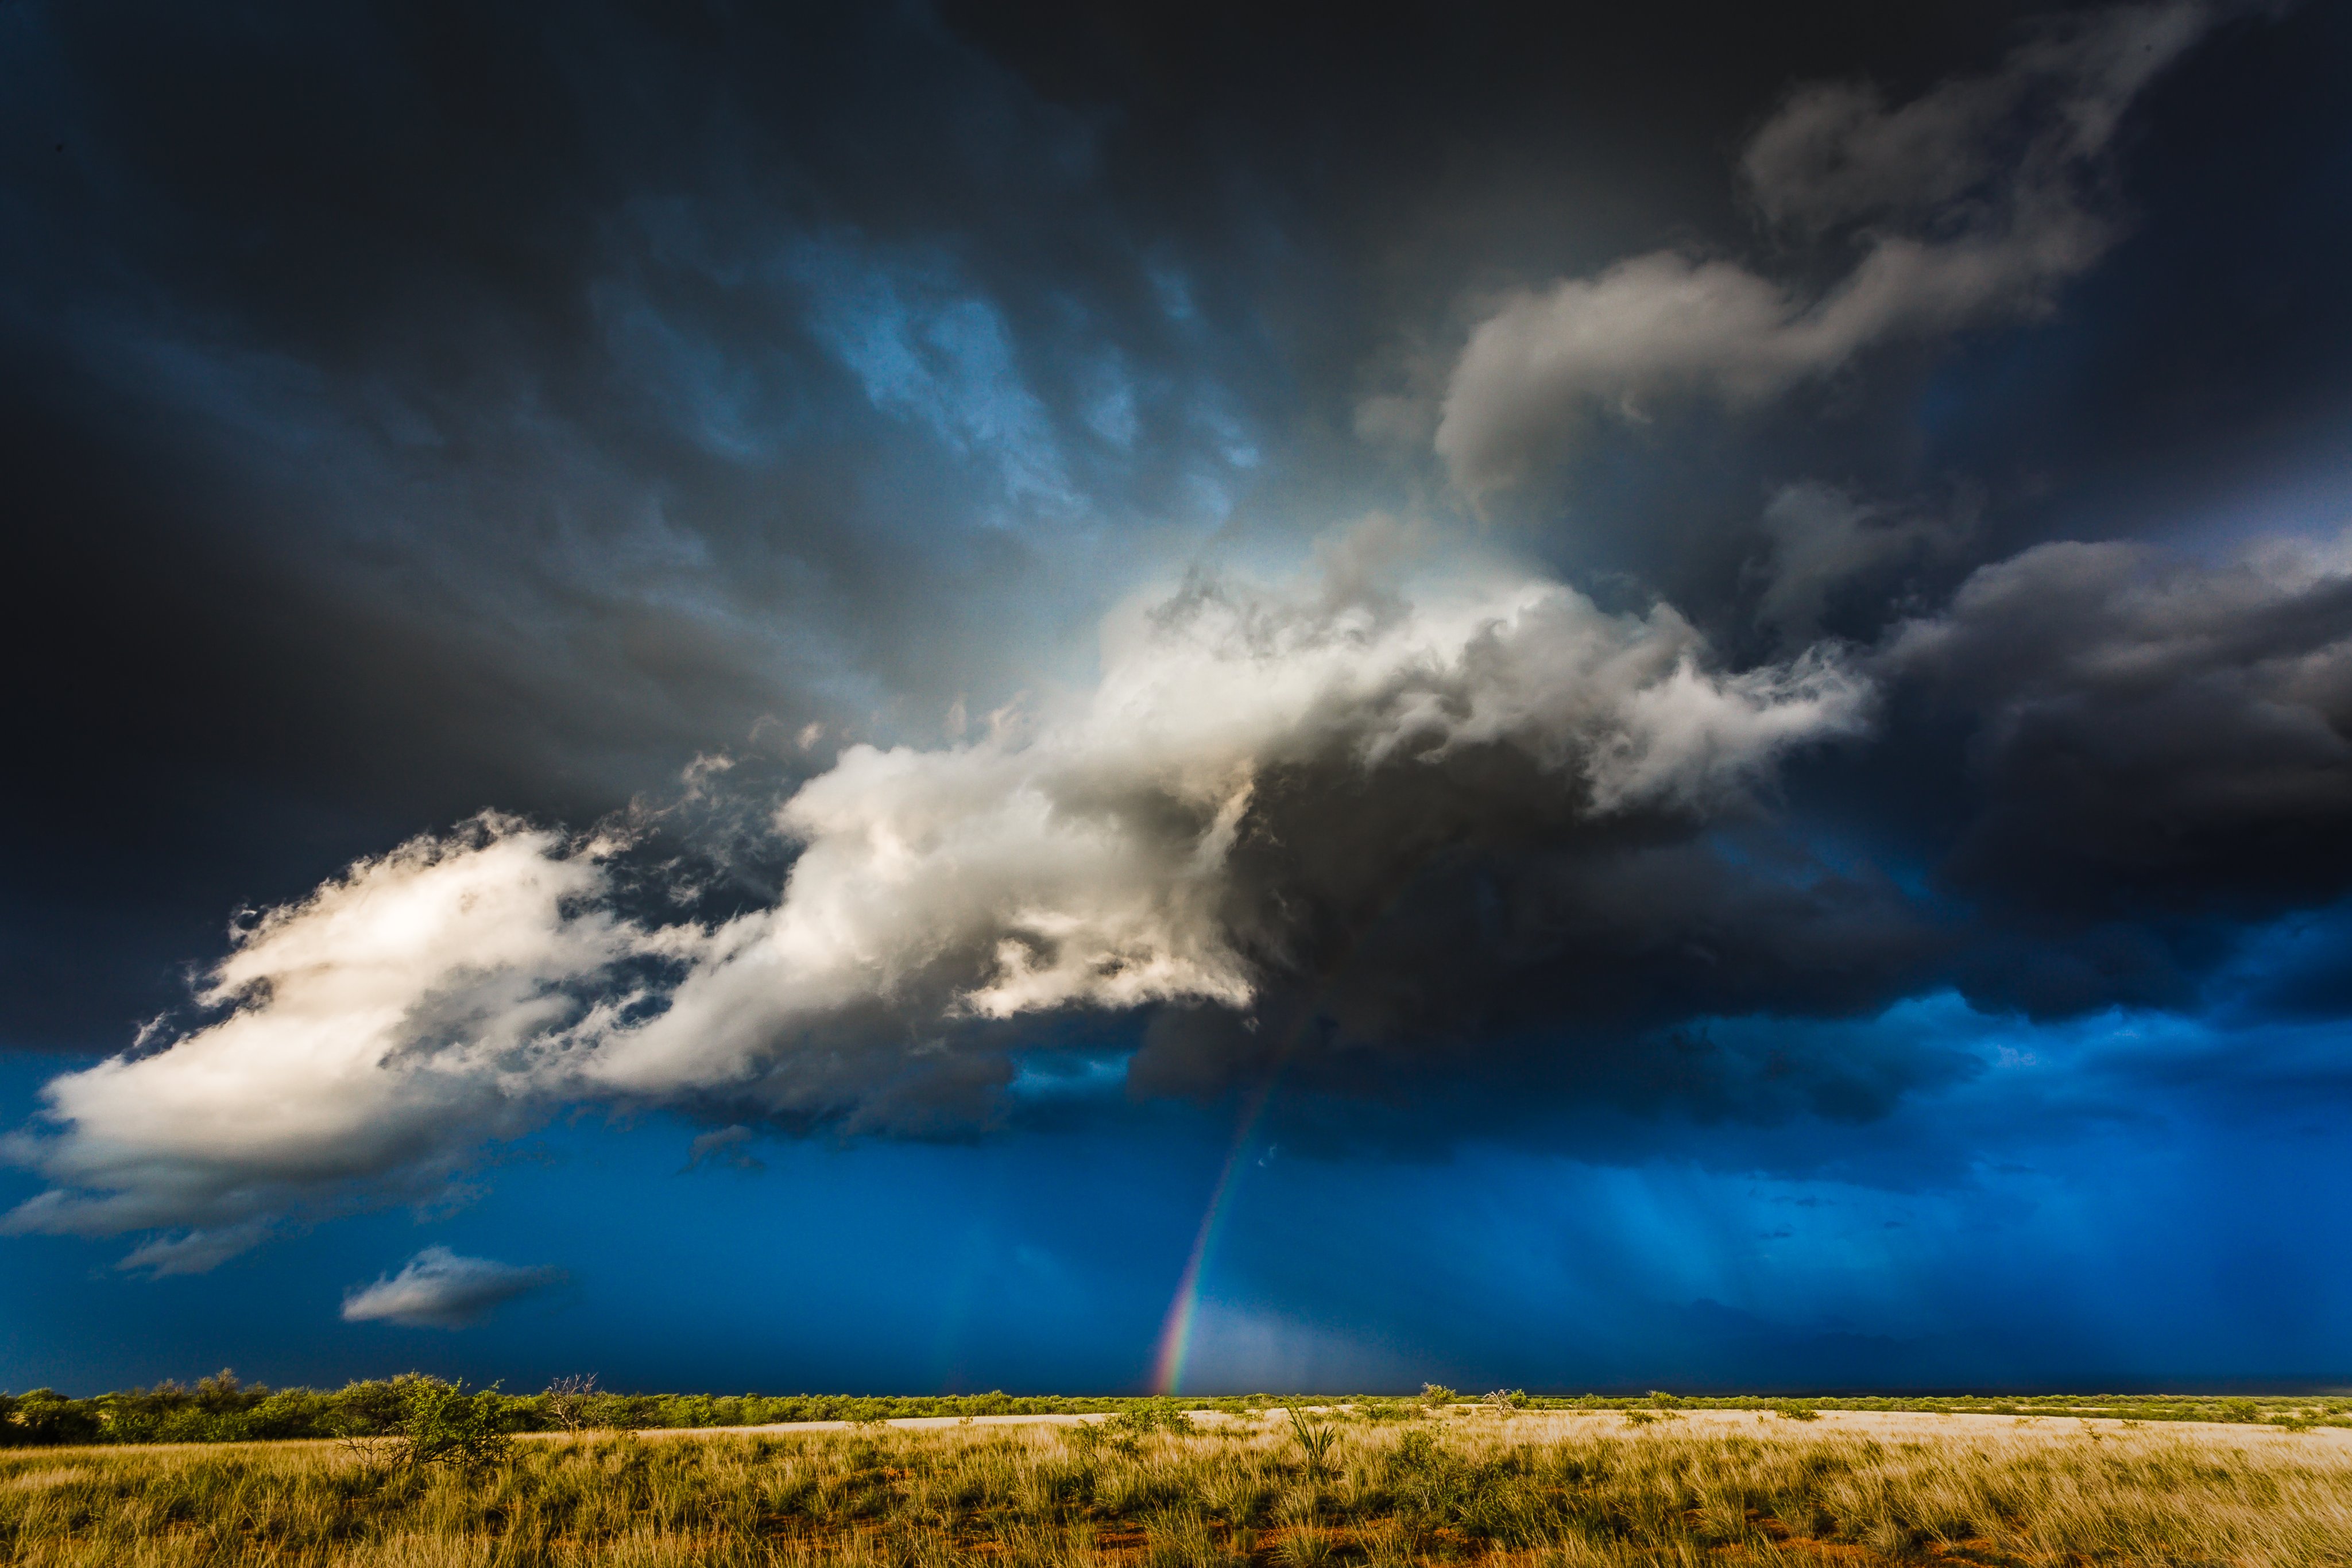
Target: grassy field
222,1409
1682,1486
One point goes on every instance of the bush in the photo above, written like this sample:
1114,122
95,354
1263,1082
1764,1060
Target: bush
373,1408
46,1417
1149,1416
444,1425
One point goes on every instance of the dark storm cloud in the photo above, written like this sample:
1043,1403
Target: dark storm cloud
1461,924
432,410
2146,755
417,409
2159,752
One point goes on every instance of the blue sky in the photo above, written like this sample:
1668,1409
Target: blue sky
949,698
2036,1227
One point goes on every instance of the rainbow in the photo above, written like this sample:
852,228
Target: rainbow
1176,1333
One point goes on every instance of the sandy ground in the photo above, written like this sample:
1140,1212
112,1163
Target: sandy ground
1915,1426
903,1423
1906,1426
1901,1426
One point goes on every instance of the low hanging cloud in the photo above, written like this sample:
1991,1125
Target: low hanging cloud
1139,849
1970,203
439,1288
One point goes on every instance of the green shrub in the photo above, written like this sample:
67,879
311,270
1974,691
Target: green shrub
1148,1415
441,1423
44,1417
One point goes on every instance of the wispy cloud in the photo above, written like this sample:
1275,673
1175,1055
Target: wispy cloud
723,1147
197,1251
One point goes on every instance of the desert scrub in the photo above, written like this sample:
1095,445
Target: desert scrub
1561,1487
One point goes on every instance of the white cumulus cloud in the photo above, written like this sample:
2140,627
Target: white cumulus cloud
443,1289
390,1022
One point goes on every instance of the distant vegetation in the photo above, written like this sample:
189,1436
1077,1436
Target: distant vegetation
1390,1483
221,1409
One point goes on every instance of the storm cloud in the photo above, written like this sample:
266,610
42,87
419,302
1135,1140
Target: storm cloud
1143,848
1485,832
791,569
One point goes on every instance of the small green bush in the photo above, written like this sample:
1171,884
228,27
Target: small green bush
44,1417
441,1423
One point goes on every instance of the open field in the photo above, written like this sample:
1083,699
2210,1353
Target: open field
224,1409
1568,1487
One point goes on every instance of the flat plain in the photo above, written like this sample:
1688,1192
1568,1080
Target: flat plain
1686,1487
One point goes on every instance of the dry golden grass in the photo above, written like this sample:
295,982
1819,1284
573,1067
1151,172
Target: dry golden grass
1698,1488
